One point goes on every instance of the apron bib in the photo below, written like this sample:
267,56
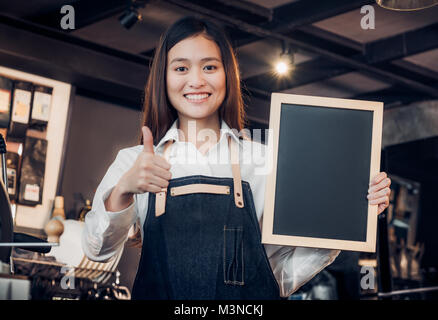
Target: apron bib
202,240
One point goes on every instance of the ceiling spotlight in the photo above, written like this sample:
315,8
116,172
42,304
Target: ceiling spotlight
130,16
282,67
286,61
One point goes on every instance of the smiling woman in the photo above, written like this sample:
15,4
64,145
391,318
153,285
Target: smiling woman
196,83
195,54
197,222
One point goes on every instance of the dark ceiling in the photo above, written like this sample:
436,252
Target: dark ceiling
397,62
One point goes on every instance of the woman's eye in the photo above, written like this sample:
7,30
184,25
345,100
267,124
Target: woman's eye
181,69
210,68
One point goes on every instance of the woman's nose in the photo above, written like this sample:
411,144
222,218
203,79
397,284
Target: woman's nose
196,79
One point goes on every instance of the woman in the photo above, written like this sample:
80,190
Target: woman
199,217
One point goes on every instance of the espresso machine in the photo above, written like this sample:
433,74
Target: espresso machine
41,277
12,286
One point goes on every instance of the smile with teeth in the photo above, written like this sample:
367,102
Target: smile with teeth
197,97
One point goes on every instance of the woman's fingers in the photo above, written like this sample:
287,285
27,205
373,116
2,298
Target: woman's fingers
378,194
161,162
153,188
378,178
380,200
150,173
379,191
382,184
383,206
158,179
159,182
162,173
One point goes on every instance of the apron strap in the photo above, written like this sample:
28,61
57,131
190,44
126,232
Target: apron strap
160,197
160,200
235,168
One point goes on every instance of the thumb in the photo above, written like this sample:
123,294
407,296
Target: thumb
148,141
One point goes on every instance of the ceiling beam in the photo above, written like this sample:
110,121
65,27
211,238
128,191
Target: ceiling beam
32,48
345,61
241,10
250,7
300,13
303,73
393,97
380,51
387,54
402,45
415,68
332,37
86,13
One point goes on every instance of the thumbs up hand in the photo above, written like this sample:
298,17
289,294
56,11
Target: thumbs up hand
149,173
148,140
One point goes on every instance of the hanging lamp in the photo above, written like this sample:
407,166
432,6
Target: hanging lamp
406,5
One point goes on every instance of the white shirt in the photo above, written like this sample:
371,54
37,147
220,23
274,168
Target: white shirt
106,232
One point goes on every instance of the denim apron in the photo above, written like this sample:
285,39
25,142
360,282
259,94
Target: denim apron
202,241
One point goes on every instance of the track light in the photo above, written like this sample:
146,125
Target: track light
285,63
281,67
130,16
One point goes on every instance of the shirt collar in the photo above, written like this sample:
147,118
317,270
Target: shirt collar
172,133
225,130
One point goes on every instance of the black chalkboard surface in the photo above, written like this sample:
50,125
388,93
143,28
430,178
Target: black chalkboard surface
324,153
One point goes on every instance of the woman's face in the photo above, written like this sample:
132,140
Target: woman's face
195,78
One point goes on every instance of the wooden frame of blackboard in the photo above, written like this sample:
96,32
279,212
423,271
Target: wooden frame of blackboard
268,235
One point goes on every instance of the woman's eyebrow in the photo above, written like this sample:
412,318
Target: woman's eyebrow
210,59
202,60
179,60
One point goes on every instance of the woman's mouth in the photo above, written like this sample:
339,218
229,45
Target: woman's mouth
197,97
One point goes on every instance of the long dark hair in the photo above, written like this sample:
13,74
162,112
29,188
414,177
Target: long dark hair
158,113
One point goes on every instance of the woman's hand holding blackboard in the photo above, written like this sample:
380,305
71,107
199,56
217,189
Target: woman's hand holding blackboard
149,173
379,191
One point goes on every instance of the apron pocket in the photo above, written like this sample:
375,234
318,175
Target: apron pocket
233,256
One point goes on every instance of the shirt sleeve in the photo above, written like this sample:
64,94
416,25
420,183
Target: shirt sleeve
294,266
105,232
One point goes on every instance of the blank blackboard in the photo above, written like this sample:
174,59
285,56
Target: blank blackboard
324,153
